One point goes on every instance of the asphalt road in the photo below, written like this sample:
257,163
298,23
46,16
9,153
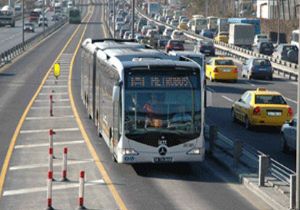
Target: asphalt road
10,37
21,79
178,186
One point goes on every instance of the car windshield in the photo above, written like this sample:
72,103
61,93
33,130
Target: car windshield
162,103
177,43
266,44
269,99
261,62
288,48
224,62
207,43
262,37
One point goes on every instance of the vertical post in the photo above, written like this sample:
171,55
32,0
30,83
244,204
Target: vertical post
206,8
298,142
212,137
278,22
292,191
263,169
23,35
49,190
81,191
64,165
114,18
43,17
51,105
133,14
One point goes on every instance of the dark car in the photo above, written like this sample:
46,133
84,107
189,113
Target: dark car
207,33
163,41
257,68
174,44
287,52
265,48
206,47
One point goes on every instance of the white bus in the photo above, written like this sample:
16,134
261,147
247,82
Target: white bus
295,38
147,107
198,23
212,23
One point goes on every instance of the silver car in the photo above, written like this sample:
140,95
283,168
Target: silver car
288,135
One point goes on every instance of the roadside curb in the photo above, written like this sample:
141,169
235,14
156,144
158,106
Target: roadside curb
270,195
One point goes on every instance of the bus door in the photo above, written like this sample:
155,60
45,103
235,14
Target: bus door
116,118
94,86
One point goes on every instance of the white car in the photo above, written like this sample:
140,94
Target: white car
41,20
260,38
177,35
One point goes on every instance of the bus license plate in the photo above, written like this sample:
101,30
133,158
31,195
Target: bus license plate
162,159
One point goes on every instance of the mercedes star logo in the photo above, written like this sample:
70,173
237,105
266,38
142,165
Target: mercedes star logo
162,151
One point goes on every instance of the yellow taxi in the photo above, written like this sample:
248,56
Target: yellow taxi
221,69
222,37
261,107
182,26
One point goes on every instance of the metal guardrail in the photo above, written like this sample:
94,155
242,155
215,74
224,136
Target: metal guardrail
243,155
10,54
282,67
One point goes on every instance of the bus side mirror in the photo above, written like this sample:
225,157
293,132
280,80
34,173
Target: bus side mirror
116,93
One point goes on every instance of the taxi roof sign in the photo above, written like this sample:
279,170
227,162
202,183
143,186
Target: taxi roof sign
261,89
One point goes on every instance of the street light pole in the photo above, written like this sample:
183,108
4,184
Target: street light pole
114,18
278,22
206,8
43,17
298,140
23,35
133,14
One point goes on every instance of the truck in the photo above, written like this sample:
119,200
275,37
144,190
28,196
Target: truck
241,35
253,21
153,8
7,16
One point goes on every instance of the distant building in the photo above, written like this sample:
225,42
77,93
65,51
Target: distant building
268,9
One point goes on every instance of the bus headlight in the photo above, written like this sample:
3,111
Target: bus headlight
194,151
129,151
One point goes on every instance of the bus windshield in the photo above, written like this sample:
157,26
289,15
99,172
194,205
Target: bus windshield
162,103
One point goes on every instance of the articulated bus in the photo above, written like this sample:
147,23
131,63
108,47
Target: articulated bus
74,15
146,106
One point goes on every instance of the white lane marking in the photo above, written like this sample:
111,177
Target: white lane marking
250,84
291,100
49,118
58,80
55,93
228,99
25,146
32,166
55,86
210,89
54,107
56,100
47,130
55,187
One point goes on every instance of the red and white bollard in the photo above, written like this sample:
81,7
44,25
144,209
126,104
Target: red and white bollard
51,105
49,190
64,165
51,149
81,191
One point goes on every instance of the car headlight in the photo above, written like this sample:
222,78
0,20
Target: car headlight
129,151
194,151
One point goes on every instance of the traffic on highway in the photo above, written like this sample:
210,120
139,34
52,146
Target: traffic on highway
147,104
